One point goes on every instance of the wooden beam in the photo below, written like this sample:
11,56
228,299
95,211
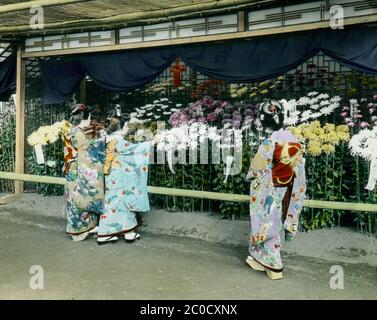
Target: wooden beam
350,206
200,39
42,3
20,119
31,178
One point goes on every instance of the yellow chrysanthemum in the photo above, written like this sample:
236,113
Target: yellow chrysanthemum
65,128
343,132
344,136
314,148
329,127
343,128
264,83
295,130
308,133
49,134
328,148
243,90
319,131
320,139
332,137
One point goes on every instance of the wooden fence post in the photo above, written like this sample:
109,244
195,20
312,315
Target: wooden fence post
20,119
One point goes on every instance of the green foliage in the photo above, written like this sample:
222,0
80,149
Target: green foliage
7,148
53,153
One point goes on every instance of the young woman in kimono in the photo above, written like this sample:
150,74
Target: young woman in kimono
126,173
84,187
277,191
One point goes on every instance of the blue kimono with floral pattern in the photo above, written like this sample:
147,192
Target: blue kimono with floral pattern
126,174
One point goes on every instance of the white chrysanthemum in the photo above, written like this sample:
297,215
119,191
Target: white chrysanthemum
315,106
323,96
294,114
288,105
52,136
305,116
291,121
43,133
335,99
134,120
33,139
315,115
364,144
303,101
312,101
327,110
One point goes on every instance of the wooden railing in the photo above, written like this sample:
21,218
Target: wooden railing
351,206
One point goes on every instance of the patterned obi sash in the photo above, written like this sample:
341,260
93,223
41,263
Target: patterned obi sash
285,160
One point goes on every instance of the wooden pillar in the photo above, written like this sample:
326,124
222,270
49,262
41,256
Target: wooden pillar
20,119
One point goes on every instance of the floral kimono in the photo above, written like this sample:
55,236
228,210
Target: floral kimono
84,187
126,170
277,191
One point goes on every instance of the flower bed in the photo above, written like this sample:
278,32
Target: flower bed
324,121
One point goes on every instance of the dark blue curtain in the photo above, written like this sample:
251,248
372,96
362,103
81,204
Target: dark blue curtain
252,60
7,77
353,47
114,71
127,70
61,78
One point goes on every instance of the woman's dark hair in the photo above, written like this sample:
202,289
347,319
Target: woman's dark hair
115,119
271,114
79,112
